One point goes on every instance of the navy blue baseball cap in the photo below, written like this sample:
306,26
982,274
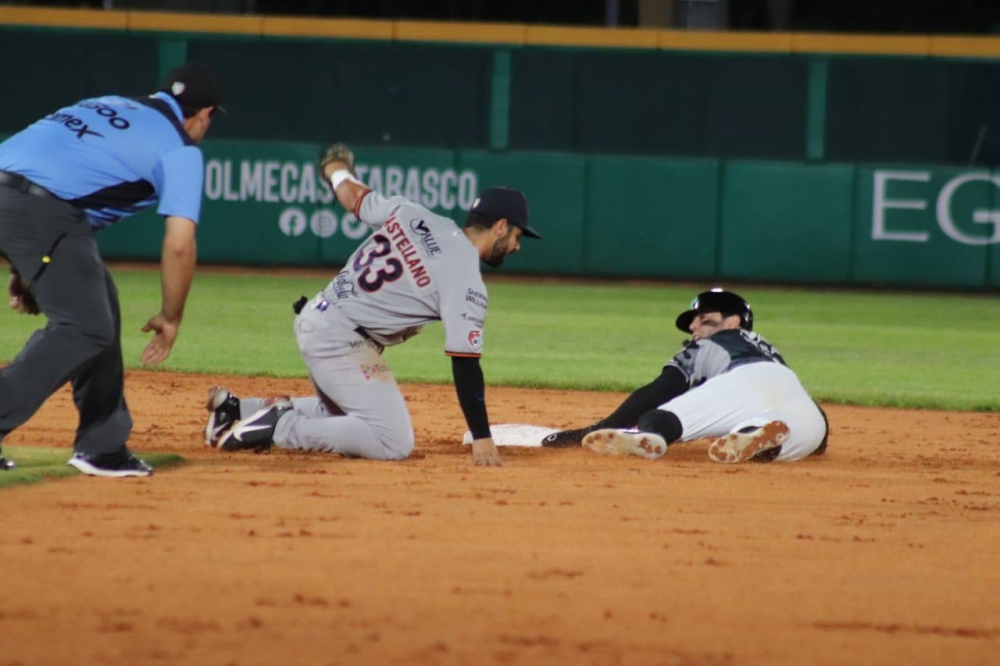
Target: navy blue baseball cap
193,86
505,202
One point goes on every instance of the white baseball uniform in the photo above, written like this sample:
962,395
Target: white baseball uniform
738,380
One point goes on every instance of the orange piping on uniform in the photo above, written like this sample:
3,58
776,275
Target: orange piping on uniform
357,204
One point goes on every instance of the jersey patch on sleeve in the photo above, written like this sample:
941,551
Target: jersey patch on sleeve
475,339
476,298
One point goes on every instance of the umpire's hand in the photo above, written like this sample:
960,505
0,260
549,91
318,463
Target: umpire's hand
159,347
19,298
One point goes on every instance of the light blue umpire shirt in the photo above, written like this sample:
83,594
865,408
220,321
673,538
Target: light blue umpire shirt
112,157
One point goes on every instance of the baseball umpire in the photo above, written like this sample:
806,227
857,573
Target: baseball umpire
62,179
726,383
415,268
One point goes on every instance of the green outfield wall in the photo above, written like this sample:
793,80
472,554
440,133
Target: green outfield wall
617,216
785,157
397,85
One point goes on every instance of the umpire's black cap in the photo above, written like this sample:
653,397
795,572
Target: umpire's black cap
505,202
717,300
193,86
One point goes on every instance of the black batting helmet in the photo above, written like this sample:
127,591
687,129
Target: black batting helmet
717,300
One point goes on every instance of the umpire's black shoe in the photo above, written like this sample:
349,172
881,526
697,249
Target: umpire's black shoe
257,430
117,464
6,464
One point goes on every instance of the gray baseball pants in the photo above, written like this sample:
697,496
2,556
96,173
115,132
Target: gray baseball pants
359,410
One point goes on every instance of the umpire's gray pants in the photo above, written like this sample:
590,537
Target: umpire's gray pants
81,342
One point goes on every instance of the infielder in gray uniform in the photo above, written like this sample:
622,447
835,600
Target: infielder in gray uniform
416,268
726,383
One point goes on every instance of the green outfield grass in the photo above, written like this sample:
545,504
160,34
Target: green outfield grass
37,464
894,349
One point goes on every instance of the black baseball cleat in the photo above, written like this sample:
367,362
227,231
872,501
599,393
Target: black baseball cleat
223,411
257,430
614,442
751,444
118,464
565,438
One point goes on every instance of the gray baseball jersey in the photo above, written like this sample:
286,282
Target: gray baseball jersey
726,350
417,267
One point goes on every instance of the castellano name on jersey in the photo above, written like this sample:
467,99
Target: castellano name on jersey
415,268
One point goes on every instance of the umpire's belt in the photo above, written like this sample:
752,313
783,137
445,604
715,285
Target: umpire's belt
16,181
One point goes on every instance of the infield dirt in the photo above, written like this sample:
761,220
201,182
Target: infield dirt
884,551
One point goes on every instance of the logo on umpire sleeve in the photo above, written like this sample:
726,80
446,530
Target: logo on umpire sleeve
475,340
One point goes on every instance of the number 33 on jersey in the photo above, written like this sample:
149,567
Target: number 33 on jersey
416,268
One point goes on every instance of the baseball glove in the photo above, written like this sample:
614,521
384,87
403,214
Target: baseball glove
19,298
338,152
